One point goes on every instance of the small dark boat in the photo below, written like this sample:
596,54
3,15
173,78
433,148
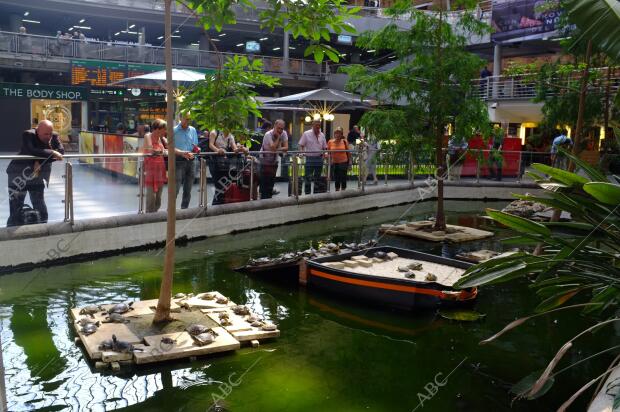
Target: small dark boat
287,267
384,280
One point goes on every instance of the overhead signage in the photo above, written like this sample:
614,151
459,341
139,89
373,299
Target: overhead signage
42,91
100,73
519,20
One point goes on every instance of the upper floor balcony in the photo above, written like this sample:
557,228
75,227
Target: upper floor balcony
67,49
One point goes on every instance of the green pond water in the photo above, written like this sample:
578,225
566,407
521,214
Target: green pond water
333,355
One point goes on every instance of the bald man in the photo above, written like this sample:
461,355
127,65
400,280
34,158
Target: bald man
31,176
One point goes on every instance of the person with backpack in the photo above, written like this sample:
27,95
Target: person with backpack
30,176
341,161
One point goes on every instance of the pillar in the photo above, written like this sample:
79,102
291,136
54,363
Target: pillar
497,68
15,22
285,59
203,42
84,115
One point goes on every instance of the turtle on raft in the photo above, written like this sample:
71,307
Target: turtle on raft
115,318
122,346
91,310
89,328
121,308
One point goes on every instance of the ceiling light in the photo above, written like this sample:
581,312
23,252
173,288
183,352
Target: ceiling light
118,32
392,57
215,39
26,13
276,49
239,44
263,38
221,35
132,26
176,37
343,55
82,21
370,51
292,48
82,27
31,21
176,31
70,28
159,38
194,44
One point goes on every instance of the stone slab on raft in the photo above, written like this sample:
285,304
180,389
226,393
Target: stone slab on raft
184,347
105,331
238,323
147,307
455,234
198,301
478,256
241,329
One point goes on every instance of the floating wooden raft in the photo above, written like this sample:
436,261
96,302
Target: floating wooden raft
148,345
418,230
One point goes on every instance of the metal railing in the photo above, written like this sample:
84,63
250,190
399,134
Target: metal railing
524,86
47,46
245,172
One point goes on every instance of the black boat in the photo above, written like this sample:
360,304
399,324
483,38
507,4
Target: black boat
376,280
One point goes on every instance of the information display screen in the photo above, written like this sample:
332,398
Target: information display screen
96,73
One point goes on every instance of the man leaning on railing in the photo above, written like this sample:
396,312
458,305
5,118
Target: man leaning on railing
29,176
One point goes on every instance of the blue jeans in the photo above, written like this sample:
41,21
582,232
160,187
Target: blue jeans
312,170
185,176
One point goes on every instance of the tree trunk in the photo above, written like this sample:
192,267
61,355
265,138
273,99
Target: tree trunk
162,314
582,105
440,217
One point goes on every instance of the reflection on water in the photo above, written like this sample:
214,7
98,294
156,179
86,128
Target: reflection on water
333,355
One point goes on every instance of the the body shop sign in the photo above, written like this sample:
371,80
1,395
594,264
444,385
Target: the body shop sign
29,91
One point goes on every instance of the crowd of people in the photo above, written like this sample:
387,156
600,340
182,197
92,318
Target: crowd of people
230,163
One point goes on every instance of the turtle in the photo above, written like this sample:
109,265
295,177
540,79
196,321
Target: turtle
89,328
90,310
269,327
207,296
115,318
180,296
381,255
332,246
121,308
185,306
222,300
430,277
106,344
241,310
410,275
196,329
415,266
168,340
122,346
288,256
225,319
257,324
84,321
252,318
207,337
403,269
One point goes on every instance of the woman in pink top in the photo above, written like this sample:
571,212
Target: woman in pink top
154,165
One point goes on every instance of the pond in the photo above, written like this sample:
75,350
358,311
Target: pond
332,355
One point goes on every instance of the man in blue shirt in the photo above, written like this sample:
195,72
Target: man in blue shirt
564,142
185,140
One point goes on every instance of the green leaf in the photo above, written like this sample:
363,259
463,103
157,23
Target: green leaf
599,20
562,176
607,193
318,55
518,223
520,241
461,315
525,385
557,300
605,297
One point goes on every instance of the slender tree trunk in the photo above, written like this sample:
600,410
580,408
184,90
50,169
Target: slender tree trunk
607,98
440,217
582,105
162,314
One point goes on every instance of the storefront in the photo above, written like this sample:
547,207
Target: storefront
22,106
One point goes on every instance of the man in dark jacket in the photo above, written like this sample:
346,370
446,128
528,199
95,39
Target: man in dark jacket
31,176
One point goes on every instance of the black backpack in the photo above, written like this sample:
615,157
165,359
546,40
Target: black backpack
30,216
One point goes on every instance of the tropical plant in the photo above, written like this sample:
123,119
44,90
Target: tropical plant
600,21
226,98
578,261
312,20
428,85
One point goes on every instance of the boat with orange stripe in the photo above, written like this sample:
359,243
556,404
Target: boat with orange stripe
391,276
